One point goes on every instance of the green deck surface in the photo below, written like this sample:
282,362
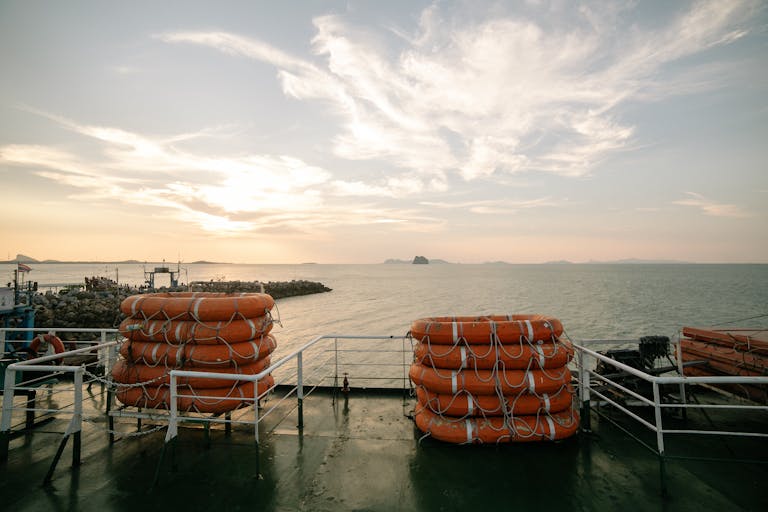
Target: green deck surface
363,453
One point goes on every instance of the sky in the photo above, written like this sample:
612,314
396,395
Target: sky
354,132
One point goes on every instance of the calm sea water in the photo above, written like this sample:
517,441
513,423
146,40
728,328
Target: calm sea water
592,300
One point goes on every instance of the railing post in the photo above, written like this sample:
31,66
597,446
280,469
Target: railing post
256,424
77,420
659,437
405,370
111,356
584,391
2,340
5,425
300,387
74,429
102,353
170,434
174,411
336,362
681,371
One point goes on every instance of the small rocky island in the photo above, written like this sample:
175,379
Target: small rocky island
420,260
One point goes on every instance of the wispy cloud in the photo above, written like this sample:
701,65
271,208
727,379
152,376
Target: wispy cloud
495,97
494,206
710,207
221,194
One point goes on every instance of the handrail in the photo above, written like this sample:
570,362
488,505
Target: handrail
656,381
674,379
102,330
43,364
297,354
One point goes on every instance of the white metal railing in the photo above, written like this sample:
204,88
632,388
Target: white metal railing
585,359
27,377
298,375
328,360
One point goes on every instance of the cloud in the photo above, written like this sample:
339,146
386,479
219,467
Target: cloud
494,206
710,207
493,97
230,195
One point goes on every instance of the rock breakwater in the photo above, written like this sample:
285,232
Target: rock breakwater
101,309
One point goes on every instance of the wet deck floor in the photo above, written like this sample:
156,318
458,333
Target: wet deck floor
363,453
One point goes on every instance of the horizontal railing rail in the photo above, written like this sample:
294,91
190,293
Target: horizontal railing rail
297,357
27,377
585,356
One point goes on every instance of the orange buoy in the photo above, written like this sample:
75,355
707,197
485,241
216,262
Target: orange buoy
127,373
463,403
213,400
43,341
202,306
498,429
198,355
204,333
521,355
486,329
489,382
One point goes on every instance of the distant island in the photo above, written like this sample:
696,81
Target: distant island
627,261
22,258
417,260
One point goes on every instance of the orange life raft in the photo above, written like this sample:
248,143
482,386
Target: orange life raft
520,356
200,332
492,379
198,355
214,400
486,329
202,306
748,340
176,332
464,403
127,373
539,427
489,382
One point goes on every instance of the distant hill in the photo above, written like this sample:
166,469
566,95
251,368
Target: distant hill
408,262
23,258
637,261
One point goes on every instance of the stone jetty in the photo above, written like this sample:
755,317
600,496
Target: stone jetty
101,308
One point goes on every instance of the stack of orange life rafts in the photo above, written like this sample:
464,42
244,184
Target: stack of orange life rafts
727,353
205,332
493,379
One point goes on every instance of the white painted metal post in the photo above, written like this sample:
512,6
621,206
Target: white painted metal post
8,390
173,420
660,439
584,360
256,413
681,371
657,410
336,362
103,354
300,387
77,420
5,422
78,424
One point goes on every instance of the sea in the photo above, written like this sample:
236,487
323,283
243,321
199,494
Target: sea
593,301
